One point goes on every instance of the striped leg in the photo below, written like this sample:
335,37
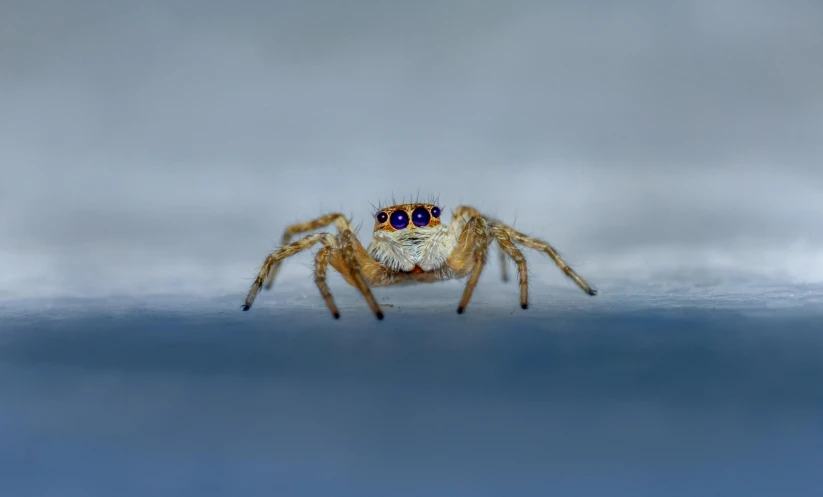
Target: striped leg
276,257
295,229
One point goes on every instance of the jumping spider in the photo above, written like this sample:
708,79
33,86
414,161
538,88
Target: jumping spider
410,245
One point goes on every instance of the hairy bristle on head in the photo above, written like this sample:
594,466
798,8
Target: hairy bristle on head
432,199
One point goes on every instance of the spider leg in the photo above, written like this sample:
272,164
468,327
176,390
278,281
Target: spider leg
462,214
536,244
344,254
347,260
295,229
507,247
470,256
504,272
532,243
321,263
274,259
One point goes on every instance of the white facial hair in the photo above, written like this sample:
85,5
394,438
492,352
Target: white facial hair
402,250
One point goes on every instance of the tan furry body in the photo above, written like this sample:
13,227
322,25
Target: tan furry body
411,254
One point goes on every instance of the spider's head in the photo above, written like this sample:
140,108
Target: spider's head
410,237
407,217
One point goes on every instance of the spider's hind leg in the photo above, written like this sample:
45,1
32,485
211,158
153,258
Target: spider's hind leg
546,248
274,259
344,253
504,271
508,248
321,263
463,213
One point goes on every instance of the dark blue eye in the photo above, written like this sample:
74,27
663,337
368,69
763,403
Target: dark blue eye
420,217
399,219
436,211
382,217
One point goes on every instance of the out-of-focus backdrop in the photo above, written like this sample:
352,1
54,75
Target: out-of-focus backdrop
163,146
151,154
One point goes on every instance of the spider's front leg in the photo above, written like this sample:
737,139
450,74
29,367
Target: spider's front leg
472,253
462,214
475,240
351,260
295,229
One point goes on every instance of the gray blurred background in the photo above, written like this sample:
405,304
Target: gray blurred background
670,150
162,146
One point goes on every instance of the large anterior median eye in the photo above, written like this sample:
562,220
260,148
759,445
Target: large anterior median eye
421,217
399,219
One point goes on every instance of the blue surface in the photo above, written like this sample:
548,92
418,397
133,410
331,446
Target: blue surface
675,398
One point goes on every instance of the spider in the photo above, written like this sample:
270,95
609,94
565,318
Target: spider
410,245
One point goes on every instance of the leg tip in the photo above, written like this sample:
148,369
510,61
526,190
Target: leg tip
460,310
524,306
246,307
592,292
379,315
336,315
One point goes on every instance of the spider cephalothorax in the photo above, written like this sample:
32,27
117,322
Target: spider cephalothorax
410,245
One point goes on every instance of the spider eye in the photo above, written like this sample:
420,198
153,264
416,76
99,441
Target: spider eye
420,217
399,219
382,217
436,211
